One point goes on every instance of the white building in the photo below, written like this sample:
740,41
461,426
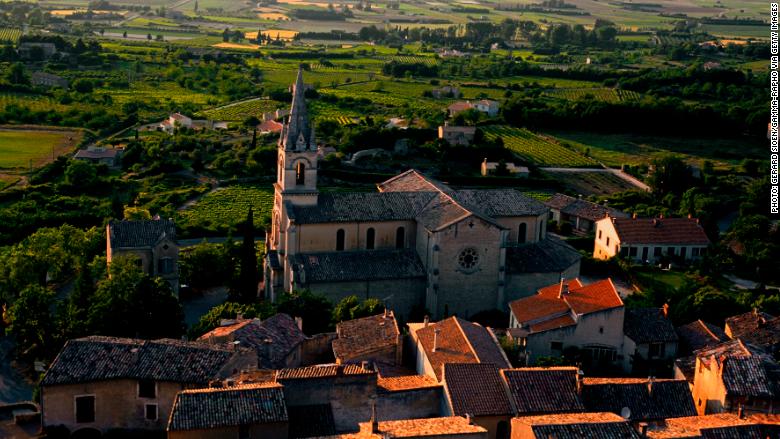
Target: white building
650,239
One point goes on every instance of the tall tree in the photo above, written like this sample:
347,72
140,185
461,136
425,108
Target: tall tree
247,282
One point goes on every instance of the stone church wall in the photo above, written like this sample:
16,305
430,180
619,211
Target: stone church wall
401,295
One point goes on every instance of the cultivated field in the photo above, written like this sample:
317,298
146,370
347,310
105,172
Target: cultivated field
21,147
537,149
226,207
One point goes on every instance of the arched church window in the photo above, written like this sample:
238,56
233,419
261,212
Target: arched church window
340,240
521,233
370,236
300,173
400,237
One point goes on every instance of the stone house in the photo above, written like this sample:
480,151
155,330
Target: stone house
44,79
650,341
457,136
152,242
27,50
277,340
253,412
571,316
698,335
544,390
430,428
487,106
327,398
417,243
446,91
453,340
408,397
756,328
100,155
374,338
572,425
648,400
735,376
650,239
477,390
581,214
489,168
175,120
101,383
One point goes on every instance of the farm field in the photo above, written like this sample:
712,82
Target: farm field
239,111
8,34
617,149
226,207
601,94
591,183
537,149
20,147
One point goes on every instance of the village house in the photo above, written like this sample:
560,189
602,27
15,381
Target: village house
100,155
175,120
572,425
36,51
269,126
277,340
477,390
401,396
486,106
417,243
457,136
646,400
453,340
650,239
254,411
152,242
650,341
544,390
756,328
735,376
328,398
375,339
581,214
430,428
446,91
570,316
44,79
489,168
101,383
699,335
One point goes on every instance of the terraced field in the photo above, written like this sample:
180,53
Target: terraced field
602,94
241,110
537,149
9,34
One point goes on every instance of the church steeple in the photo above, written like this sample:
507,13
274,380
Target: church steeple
298,134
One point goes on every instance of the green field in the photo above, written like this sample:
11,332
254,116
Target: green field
8,34
19,148
239,111
226,207
602,94
537,149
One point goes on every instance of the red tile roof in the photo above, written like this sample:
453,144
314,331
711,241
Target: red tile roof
222,331
536,390
476,389
406,382
460,341
362,336
675,231
546,310
691,426
321,371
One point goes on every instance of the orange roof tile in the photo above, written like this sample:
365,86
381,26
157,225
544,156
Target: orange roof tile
691,426
222,331
673,231
362,336
406,382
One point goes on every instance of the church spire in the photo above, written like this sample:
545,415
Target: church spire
297,133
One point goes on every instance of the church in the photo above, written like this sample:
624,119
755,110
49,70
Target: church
417,244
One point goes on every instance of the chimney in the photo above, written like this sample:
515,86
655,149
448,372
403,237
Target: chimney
741,412
374,422
426,320
239,317
564,289
364,364
650,382
643,429
633,216
578,378
299,322
435,339
665,310
468,419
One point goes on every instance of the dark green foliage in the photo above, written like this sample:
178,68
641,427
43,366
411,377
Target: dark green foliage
248,276
313,308
207,265
350,308
230,310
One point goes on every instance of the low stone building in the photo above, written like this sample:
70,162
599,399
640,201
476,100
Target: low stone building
408,397
101,383
571,316
650,341
647,399
650,239
253,412
572,425
581,214
477,390
153,242
44,79
277,340
100,155
375,339
757,328
457,136
544,390
735,376
453,340
489,168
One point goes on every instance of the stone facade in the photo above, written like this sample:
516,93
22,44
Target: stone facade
650,239
152,242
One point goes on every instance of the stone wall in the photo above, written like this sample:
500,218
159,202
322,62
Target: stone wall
259,431
400,295
409,404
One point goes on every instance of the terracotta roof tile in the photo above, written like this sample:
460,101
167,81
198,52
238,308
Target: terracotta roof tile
745,323
476,389
577,426
425,427
691,426
311,421
204,409
647,325
757,328
226,330
362,336
536,390
660,231
358,265
322,371
406,382
746,369
550,255
664,399
700,334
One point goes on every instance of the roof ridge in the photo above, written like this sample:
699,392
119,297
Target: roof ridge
465,337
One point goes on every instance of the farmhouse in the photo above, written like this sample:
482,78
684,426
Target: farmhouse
650,239
581,214
48,80
417,243
100,155
152,242
457,136
490,168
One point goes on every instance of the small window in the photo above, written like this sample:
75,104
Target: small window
370,238
400,238
670,251
522,231
85,409
300,174
599,234
657,252
150,412
165,265
601,329
556,346
607,241
632,251
147,389
340,235
682,252
656,350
